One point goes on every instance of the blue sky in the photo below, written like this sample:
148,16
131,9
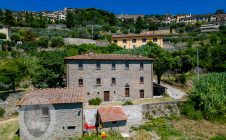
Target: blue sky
121,6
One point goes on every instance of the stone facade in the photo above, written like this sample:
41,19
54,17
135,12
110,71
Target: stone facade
124,78
63,121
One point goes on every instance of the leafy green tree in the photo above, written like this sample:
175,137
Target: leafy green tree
1,16
83,33
7,45
70,23
43,41
2,36
9,18
57,41
15,37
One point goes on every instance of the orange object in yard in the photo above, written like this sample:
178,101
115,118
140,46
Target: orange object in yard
103,135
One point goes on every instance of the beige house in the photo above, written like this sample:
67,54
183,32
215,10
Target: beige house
130,41
5,30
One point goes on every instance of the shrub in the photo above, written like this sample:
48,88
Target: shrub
188,110
2,112
128,103
218,137
181,79
57,41
96,101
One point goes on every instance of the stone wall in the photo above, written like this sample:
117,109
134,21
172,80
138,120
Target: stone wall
130,77
163,109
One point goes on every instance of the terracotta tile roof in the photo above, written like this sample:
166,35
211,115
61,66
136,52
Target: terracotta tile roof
52,96
111,114
107,57
135,35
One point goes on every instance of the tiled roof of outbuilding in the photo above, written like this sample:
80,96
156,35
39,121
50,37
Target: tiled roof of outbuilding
52,96
107,57
111,114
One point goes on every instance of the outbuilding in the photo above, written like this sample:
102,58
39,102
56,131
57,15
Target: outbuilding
51,114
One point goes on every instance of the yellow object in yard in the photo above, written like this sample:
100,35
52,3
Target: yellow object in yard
103,135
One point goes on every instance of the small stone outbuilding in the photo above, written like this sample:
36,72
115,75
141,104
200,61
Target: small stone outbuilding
51,114
111,117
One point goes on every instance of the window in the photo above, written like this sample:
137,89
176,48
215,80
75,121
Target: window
134,40
141,93
127,92
71,127
80,82
98,81
124,46
124,40
79,113
115,41
127,65
144,40
134,46
141,80
155,39
113,66
114,122
98,65
45,111
80,65
141,65
113,81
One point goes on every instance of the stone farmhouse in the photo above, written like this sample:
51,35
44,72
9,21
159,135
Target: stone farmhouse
111,77
51,114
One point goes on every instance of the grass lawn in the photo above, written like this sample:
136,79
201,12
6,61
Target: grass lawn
8,129
183,128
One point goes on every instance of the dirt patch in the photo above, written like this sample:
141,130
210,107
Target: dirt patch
199,129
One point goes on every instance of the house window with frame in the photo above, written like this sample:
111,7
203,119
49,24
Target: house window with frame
98,81
113,81
80,82
144,40
45,111
98,65
80,65
124,40
134,40
115,41
134,46
124,46
113,66
127,65
155,39
141,65
141,80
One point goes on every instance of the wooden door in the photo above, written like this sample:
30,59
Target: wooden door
106,96
141,93
127,92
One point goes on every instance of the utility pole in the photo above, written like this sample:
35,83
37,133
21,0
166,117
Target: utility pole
197,62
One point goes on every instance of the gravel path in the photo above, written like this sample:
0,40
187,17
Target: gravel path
173,92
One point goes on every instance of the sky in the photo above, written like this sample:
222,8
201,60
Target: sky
121,6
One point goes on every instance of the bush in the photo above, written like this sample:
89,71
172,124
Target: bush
188,110
218,137
181,79
96,101
128,103
57,41
2,112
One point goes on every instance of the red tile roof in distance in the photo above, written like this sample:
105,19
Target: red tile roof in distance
52,96
135,35
108,57
111,114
